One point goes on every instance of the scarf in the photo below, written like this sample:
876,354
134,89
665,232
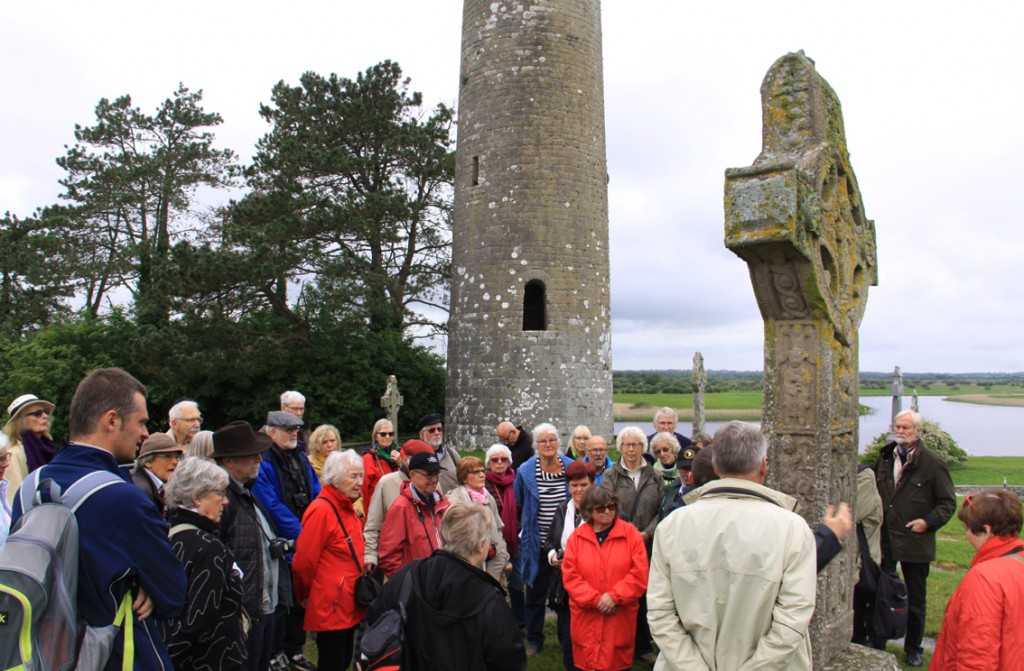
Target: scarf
667,472
39,450
383,453
506,499
477,496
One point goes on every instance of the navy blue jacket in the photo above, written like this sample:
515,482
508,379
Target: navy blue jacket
122,544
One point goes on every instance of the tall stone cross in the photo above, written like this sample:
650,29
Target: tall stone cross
699,383
391,401
897,397
796,217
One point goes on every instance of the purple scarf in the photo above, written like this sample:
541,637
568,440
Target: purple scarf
39,450
501,488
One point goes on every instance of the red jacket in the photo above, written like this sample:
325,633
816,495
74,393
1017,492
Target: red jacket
375,468
323,569
589,569
409,530
982,627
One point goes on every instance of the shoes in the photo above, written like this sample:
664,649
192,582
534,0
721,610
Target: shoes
914,659
279,662
299,662
522,631
648,658
531,650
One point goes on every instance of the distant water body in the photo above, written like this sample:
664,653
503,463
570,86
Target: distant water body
981,430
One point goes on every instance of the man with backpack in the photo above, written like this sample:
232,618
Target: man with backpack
124,558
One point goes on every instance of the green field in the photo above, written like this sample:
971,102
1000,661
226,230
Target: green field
989,471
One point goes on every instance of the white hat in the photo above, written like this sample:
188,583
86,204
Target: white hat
22,402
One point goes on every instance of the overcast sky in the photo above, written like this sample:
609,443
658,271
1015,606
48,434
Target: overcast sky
932,97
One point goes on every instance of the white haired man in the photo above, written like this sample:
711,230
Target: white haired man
294,403
756,567
185,421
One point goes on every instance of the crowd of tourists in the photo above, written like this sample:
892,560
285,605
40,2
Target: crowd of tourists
232,547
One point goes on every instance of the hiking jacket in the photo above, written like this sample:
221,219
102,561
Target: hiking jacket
528,498
590,569
925,492
458,619
323,568
638,504
410,530
276,490
122,545
208,634
732,582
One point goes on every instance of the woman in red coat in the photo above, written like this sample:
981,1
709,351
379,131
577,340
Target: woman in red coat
325,568
605,574
982,626
380,458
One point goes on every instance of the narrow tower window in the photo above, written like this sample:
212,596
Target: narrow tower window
534,311
476,171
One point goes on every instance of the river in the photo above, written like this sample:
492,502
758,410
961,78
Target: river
981,430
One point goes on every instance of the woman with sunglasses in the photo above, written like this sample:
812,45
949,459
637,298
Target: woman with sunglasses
472,488
30,443
605,575
380,458
982,625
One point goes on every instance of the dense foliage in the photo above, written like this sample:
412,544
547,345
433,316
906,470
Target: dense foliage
933,437
318,278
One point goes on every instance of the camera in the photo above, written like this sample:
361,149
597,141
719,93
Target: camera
279,547
300,500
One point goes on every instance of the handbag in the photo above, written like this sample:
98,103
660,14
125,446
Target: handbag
367,587
889,618
557,597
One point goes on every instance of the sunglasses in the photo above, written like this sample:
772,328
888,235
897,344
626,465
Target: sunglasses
477,471
38,413
610,508
433,429
968,502
500,460
386,434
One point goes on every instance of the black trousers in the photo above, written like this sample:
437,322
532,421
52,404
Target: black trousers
916,577
334,649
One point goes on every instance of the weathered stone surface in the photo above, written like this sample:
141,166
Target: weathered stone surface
796,217
531,204
861,658
699,383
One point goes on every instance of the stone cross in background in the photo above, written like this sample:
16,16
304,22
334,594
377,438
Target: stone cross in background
913,402
897,397
391,401
796,217
699,382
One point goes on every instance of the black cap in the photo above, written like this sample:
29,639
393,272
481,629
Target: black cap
687,455
428,420
425,462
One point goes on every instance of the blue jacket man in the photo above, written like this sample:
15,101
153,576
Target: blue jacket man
123,542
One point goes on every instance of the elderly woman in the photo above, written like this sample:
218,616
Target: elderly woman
472,488
380,458
459,620
322,443
981,628
578,442
540,487
159,458
640,489
665,449
5,507
581,475
30,442
210,634
500,477
327,561
605,574
201,445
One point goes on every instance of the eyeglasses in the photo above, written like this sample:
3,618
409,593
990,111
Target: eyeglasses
386,434
428,476
662,450
477,471
500,460
173,456
610,508
433,429
221,493
547,441
296,408
191,420
632,444
38,413
968,502
292,429
4,458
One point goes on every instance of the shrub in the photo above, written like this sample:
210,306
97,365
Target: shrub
934,437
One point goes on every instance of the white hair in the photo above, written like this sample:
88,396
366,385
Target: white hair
667,412
665,437
494,451
634,431
545,428
290,397
176,409
338,465
194,479
914,417
463,527
739,449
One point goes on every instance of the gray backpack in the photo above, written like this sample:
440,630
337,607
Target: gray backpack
39,628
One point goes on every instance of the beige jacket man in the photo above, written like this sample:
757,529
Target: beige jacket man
732,582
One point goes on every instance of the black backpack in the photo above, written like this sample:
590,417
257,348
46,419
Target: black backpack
381,646
885,590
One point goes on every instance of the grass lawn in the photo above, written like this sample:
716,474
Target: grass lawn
989,471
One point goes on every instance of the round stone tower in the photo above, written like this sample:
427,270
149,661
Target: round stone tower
530,328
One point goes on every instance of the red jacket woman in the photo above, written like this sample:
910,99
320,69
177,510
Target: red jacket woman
981,629
411,529
605,581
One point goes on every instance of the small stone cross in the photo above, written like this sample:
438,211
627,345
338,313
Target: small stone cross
391,401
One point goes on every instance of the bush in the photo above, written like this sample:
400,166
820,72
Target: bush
937,440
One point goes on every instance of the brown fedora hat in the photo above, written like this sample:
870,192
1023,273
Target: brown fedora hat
237,439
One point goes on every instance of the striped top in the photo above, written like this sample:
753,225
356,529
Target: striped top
551,491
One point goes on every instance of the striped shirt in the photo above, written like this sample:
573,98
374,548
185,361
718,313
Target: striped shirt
551,490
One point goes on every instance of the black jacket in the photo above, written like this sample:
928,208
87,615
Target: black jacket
457,618
209,634
523,449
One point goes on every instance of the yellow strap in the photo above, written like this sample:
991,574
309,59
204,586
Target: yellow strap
124,614
25,635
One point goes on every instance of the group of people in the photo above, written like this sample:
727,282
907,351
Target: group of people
233,545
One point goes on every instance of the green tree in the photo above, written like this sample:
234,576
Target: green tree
933,436
351,201
131,179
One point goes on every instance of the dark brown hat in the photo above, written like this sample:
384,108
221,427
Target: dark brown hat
237,439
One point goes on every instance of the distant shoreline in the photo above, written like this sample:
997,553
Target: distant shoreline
625,412
1011,400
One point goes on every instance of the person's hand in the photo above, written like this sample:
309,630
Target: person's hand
369,568
142,606
396,457
645,536
918,526
508,568
553,558
839,522
606,604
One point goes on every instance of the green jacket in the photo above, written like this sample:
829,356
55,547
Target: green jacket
638,504
925,491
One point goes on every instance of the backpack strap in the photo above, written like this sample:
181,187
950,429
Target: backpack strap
82,489
33,489
742,492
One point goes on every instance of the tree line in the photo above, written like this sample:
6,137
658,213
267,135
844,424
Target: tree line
327,264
